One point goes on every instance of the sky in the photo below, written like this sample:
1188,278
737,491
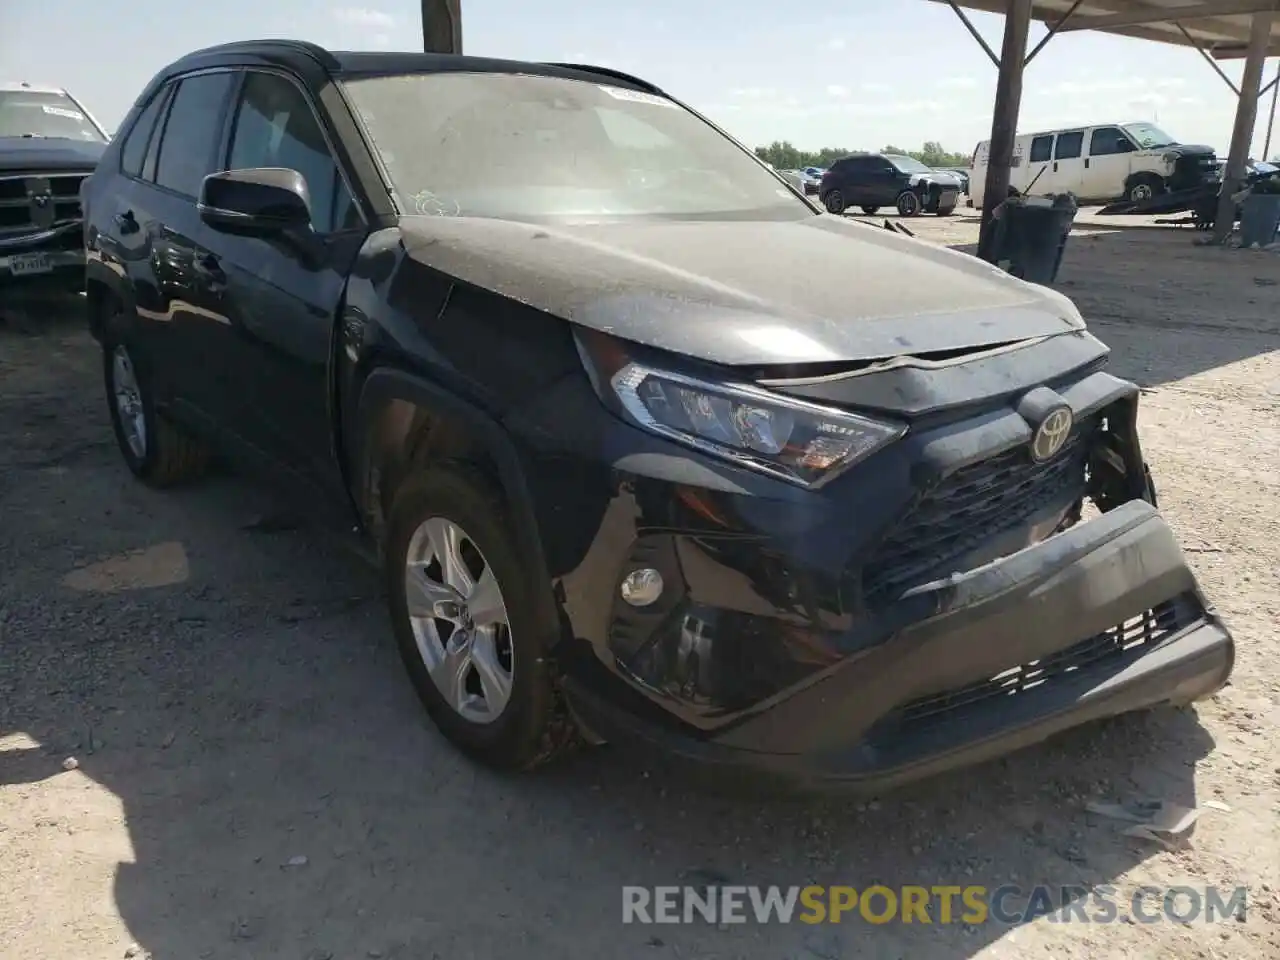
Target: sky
856,74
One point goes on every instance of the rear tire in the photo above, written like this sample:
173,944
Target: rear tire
870,211
156,451
834,202
513,720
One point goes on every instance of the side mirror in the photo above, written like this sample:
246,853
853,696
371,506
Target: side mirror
258,201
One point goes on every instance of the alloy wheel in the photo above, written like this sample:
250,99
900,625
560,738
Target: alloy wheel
127,396
459,620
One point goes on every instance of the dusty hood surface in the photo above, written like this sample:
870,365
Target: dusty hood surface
49,155
815,290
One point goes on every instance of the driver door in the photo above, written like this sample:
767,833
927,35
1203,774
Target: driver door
1106,168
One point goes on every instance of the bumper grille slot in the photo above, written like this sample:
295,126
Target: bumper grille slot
970,507
1145,630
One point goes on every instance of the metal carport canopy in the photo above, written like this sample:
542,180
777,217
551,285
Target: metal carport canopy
1219,29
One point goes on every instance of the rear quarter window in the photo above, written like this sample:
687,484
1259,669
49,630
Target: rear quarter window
134,148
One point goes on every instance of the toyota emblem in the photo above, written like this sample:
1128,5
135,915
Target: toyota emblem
1051,435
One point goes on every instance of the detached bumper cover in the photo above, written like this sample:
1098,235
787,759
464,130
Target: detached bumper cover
1100,620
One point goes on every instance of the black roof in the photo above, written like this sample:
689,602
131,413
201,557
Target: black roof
303,56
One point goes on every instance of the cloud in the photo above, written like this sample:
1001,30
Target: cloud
958,83
753,93
835,90
836,43
364,17
1119,85
873,87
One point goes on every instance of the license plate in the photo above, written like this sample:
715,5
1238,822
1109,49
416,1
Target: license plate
28,264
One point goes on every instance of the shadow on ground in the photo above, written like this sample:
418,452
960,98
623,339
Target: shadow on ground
238,691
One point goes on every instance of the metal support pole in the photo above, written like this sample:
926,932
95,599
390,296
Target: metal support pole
1271,116
1004,118
442,26
1246,116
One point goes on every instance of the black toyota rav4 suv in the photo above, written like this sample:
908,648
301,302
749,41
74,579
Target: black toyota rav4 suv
565,356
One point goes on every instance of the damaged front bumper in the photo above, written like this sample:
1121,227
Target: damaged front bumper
1101,619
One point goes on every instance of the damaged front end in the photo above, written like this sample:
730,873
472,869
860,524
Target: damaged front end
996,575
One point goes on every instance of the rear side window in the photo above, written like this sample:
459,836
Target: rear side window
1041,149
1069,145
275,127
134,149
192,132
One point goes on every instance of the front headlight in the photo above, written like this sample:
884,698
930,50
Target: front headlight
804,443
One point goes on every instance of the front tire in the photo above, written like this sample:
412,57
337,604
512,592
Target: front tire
908,203
1145,186
157,452
465,617
834,202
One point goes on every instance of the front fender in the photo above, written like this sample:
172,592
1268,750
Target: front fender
392,403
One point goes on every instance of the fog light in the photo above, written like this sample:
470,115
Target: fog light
641,587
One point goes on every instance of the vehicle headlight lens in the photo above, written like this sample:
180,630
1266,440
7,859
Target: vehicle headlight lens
797,441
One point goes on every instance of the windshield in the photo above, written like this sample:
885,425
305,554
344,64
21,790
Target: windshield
908,164
524,147
1148,135
27,113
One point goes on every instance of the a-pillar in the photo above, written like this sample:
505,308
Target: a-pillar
1004,120
1246,116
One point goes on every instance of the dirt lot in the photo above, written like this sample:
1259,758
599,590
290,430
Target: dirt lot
233,700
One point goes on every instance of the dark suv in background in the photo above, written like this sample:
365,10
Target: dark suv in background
878,180
631,464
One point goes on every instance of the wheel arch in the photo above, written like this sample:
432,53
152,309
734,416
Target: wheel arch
1143,176
105,296
406,425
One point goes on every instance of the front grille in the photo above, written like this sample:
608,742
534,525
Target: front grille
1115,645
32,202
1191,172
968,508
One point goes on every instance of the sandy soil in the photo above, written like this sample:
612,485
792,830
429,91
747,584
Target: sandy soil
255,778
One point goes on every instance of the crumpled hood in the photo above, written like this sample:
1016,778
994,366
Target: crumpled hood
814,290
940,177
49,155
1188,149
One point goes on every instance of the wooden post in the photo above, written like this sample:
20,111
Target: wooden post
442,26
1246,116
1004,120
1271,116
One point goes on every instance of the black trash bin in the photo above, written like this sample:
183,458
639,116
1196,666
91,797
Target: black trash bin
1031,235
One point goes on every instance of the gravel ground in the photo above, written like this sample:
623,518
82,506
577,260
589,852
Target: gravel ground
254,778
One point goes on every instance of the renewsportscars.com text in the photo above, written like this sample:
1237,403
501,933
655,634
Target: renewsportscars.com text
941,904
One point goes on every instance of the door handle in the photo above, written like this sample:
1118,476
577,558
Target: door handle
1055,166
1086,163
125,222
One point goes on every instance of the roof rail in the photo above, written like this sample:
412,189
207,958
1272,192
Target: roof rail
313,50
607,72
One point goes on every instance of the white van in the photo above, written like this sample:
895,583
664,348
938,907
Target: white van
1134,161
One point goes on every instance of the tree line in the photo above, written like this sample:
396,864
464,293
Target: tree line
784,156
